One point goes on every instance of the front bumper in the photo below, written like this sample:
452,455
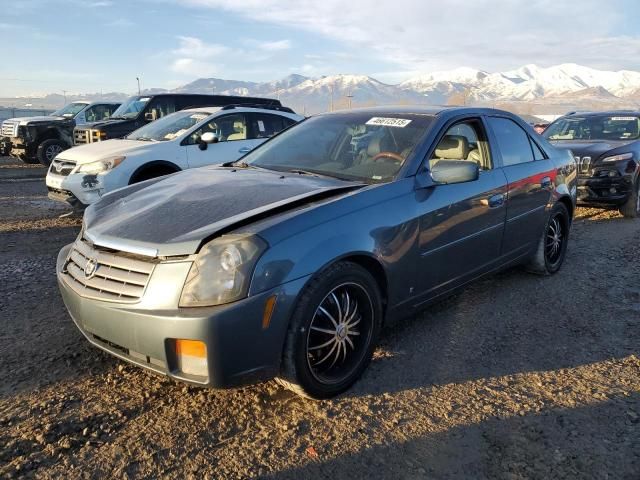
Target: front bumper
604,191
239,350
77,189
16,147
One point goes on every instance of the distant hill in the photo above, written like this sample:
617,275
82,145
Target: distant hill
527,88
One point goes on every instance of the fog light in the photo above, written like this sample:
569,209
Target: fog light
613,173
191,356
613,190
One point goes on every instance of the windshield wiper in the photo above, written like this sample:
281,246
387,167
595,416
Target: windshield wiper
145,139
237,165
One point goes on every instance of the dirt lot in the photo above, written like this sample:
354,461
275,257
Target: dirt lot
516,377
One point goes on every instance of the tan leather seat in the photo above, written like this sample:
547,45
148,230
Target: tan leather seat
239,131
451,147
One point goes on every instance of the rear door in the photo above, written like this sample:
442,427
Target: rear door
530,176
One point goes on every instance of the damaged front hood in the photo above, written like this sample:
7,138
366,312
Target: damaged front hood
172,216
41,119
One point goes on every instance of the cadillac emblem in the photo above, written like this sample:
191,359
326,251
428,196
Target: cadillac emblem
90,268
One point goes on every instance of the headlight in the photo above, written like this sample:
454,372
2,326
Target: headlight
618,158
222,271
100,166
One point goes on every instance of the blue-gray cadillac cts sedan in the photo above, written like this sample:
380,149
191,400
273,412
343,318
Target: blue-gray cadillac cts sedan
287,263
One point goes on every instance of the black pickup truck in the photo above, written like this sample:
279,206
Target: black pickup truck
40,139
606,147
142,109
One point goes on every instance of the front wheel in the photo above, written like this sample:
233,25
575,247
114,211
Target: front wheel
552,246
631,208
48,150
333,332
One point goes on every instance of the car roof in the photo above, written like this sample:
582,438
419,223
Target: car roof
603,112
212,110
424,110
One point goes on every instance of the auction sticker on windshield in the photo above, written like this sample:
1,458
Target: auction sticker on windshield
623,119
389,122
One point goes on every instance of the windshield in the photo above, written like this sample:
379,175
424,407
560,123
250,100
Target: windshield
169,127
131,108
595,127
359,146
70,110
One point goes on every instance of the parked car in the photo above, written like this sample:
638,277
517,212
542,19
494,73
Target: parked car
606,146
540,127
40,139
186,139
286,263
139,110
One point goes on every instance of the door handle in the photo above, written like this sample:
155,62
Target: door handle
545,182
244,150
496,200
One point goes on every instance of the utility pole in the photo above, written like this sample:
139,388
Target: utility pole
138,80
350,96
331,101
64,94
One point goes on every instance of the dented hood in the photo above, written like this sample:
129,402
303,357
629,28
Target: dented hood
173,215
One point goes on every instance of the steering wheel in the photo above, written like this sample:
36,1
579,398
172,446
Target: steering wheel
388,155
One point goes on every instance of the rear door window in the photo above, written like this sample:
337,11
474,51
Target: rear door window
513,141
264,125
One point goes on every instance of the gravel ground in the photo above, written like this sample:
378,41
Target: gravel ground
516,377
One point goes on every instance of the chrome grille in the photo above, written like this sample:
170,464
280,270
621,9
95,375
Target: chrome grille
80,136
106,275
9,129
86,135
62,167
584,164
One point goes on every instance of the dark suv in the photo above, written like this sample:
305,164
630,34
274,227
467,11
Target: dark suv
606,146
142,109
40,139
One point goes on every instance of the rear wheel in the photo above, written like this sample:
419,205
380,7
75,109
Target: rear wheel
631,209
552,247
48,150
333,332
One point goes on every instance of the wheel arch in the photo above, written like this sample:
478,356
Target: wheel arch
155,164
566,201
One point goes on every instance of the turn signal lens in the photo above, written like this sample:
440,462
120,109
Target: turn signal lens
192,357
269,306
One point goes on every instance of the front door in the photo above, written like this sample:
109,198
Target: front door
530,177
462,224
234,141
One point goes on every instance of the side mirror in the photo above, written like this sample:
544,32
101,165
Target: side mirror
454,171
207,138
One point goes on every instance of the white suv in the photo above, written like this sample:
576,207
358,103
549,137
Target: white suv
185,139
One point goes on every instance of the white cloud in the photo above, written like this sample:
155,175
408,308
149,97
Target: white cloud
193,67
275,46
193,47
433,34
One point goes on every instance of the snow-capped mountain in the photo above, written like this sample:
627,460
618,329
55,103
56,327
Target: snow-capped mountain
525,83
563,86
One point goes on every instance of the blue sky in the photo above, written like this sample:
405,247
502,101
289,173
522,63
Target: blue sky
102,45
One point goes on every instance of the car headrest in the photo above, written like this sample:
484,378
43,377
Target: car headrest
238,126
373,148
453,147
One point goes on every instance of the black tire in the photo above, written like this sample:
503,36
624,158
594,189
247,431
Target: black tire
631,208
149,173
355,339
549,255
48,149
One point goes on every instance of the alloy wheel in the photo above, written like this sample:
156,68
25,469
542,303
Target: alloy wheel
340,333
554,239
52,151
